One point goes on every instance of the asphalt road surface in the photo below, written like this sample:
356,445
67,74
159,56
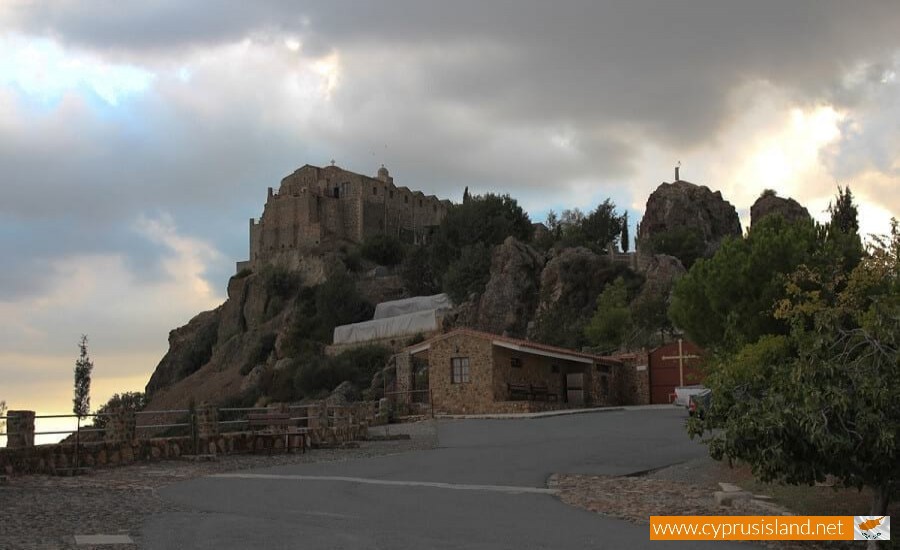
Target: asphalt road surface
483,487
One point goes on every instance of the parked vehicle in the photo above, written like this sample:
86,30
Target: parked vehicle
698,403
683,394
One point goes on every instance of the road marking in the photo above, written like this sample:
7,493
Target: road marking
509,489
84,540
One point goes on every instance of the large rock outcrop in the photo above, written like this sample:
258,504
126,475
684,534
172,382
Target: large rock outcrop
511,295
684,206
190,347
769,204
570,283
208,357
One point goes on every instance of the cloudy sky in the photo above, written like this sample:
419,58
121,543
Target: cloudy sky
137,138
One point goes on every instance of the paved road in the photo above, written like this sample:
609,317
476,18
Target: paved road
484,486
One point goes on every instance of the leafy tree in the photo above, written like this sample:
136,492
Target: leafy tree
563,323
612,321
553,223
822,399
602,227
418,272
728,300
596,230
469,274
625,239
486,219
319,309
130,401
649,312
472,228
383,250
338,302
83,367
685,243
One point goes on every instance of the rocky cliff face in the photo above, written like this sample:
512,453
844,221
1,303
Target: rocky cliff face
511,295
769,204
208,356
570,283
684,205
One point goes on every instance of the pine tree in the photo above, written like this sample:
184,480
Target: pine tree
844,215
626,238
466,195
83,368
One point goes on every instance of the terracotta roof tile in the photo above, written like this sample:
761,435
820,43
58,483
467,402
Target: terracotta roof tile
519,342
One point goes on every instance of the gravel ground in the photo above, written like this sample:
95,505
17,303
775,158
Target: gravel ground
681,489
45,512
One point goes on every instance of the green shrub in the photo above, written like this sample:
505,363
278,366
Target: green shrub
469,274
383,250
320,309
318,374
279,281
685,243
132,401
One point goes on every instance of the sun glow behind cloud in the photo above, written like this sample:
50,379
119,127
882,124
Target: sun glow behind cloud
42,69
787,158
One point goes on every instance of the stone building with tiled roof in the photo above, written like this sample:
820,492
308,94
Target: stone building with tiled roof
472,372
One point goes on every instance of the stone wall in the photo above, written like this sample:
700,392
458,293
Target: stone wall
329,426
633,385
315,204
491,368
476,396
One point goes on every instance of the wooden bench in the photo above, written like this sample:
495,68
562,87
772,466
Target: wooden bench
522,391
539,392
276,424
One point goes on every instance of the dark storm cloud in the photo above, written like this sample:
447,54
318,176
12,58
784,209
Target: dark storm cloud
511,96
666,65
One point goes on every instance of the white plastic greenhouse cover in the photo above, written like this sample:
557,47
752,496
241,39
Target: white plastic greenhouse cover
394,308
376,329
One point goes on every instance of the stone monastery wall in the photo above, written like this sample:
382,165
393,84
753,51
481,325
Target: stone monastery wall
314,206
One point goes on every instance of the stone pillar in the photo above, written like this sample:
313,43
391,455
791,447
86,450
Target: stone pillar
404,372
207,422
384,409
318,415
120,426
404,382
19,429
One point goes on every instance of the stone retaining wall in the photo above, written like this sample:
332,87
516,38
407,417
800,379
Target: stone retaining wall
121,447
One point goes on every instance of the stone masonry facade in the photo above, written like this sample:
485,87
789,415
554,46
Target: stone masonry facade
317,206
492,367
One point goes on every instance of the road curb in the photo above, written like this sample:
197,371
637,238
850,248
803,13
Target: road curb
526,416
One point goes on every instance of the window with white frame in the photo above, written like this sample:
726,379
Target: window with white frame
459,370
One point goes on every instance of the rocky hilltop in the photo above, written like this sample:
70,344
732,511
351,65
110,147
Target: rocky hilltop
532,294
769,204
267,341
684,206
